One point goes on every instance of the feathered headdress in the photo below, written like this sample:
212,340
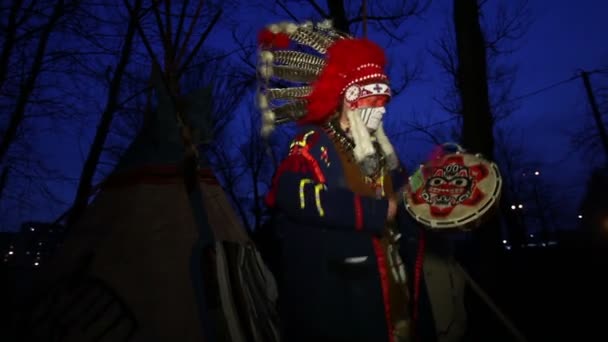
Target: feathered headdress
304,70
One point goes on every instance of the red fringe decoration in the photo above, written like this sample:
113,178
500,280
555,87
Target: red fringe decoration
436,155
418,269
384,283
358,214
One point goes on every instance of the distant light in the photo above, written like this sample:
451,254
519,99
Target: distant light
39,243
11,252
580,216
36,263
520,206
532,235
536,173
543,244
32,228
504,242
508,248
513,207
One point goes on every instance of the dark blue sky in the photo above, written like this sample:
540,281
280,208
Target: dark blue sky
564,36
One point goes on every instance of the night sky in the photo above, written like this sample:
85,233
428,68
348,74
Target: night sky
564,36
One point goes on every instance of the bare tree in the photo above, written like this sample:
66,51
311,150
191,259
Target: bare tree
88,170
171,43
30,58
479,95
28,83
499,33
588,139
473,55
245,167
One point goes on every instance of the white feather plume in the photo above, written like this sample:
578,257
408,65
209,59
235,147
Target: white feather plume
274,28
265,70
291,28
266,57
262,101
267,130
268,117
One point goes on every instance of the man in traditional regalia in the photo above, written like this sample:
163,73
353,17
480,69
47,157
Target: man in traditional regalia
341,275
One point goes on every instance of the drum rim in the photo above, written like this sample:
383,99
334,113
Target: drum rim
461,223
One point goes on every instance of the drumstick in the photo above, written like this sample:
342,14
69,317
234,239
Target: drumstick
484,296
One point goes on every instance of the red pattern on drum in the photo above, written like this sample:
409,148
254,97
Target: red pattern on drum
450,184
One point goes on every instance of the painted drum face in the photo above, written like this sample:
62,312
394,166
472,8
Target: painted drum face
451,185
455,191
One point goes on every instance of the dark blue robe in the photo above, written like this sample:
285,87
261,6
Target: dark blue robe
322,225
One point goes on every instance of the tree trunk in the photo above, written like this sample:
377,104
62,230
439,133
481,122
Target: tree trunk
338,15
477,123
477,137
3,180
90,165
477,126
27,87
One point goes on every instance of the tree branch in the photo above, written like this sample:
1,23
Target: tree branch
200,42
182,50
318,8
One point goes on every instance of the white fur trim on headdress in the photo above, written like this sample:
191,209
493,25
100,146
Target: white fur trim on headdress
387,147
325,24
363,142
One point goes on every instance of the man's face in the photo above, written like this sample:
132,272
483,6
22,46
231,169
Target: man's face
371,101
371,110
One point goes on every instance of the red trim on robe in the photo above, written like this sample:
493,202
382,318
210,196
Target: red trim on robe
358,214
299,160
418,268
382,269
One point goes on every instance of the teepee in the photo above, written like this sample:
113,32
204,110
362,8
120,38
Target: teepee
156,256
